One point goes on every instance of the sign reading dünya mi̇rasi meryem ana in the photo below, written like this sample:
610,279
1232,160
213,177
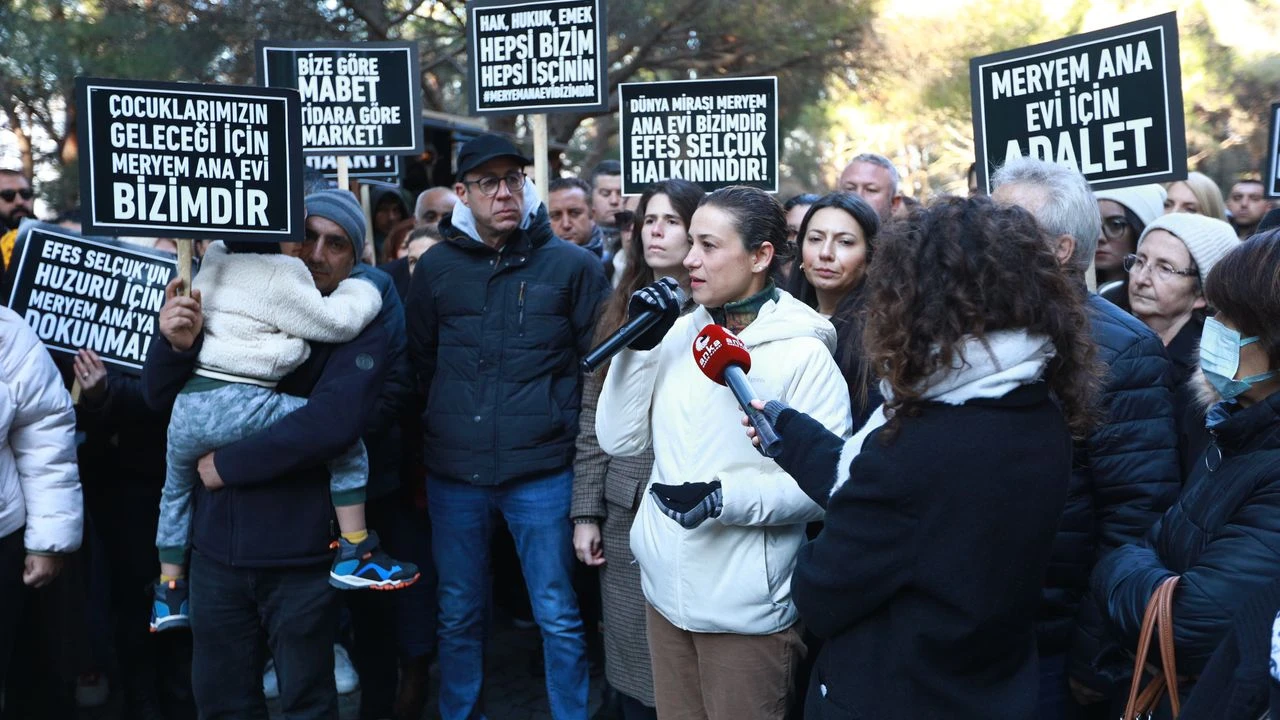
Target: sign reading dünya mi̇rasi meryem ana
77,292
715,133
1107,102
357,98
185,160
537,56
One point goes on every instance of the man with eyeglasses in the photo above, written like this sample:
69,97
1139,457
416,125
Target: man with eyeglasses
498,322
15,204
1125,472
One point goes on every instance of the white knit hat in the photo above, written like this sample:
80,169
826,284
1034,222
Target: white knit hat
1207,239
1145,201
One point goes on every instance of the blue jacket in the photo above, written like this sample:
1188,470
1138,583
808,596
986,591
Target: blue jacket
1222,537
496,338
1126,473
275,509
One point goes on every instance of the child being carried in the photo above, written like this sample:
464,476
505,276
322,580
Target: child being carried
259,312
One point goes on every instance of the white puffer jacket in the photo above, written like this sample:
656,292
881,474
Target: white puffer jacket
259,311
39,477
732,573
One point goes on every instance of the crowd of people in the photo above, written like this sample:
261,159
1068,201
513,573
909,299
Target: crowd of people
986,468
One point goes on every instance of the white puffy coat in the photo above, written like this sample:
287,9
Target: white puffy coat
259,311
732,573
39,477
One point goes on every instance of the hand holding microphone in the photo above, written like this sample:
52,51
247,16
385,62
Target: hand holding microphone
723,358
651,312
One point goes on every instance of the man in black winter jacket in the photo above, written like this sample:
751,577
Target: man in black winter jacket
498,322
1127,471
262,519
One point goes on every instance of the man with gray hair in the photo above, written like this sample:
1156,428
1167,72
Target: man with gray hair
1126,472
875,179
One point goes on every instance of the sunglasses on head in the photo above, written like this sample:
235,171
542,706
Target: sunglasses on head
9,195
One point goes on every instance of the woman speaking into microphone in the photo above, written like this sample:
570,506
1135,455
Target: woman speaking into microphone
941,510
718,530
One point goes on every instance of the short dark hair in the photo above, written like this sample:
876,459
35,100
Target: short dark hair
15,173
801,199
570,183
758,218
1244,286
605,167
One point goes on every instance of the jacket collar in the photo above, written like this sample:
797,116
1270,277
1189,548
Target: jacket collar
1236,427
522,242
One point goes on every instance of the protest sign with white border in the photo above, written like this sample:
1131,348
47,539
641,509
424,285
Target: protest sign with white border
1271,171
364,167
1108,103
357,98
537,56
185,160
77,292
715,133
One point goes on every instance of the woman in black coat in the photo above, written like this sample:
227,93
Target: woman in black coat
1223,534
941,511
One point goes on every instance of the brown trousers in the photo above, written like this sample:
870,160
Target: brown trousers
722,676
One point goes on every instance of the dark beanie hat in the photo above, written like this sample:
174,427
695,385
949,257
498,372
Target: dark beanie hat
341,207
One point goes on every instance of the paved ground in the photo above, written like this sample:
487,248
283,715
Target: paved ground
515,688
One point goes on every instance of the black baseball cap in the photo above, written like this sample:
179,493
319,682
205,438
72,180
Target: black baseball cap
480,150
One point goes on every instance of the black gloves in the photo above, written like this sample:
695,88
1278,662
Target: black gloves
662,297
691,503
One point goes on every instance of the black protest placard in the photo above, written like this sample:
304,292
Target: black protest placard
1271,172
357,98
78,292
537,56
715,133
365,167
185,160
1108,103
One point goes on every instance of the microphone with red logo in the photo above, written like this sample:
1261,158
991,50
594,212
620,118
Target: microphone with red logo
724,358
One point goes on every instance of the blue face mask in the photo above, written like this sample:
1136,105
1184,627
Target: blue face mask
1220,360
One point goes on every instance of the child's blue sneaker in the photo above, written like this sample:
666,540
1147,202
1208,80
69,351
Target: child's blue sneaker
169,609
365,566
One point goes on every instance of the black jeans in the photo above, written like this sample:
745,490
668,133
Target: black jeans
230,607
12,594
394,625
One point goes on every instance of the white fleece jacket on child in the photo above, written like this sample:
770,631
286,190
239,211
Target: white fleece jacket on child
260,311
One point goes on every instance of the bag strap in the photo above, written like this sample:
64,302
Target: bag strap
1164,627
1132,709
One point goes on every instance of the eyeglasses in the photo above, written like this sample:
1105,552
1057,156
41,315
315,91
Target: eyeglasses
9,195
489,184
1166,272
1113,228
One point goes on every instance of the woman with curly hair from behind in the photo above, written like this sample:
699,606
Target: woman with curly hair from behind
941,511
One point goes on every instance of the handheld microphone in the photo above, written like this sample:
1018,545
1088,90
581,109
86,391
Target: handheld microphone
627,334
722,357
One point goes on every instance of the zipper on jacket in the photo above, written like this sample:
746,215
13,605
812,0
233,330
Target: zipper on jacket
520,306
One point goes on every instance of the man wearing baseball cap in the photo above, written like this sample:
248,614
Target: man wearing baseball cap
498,323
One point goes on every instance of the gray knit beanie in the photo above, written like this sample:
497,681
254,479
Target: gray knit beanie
341,207
1207,239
